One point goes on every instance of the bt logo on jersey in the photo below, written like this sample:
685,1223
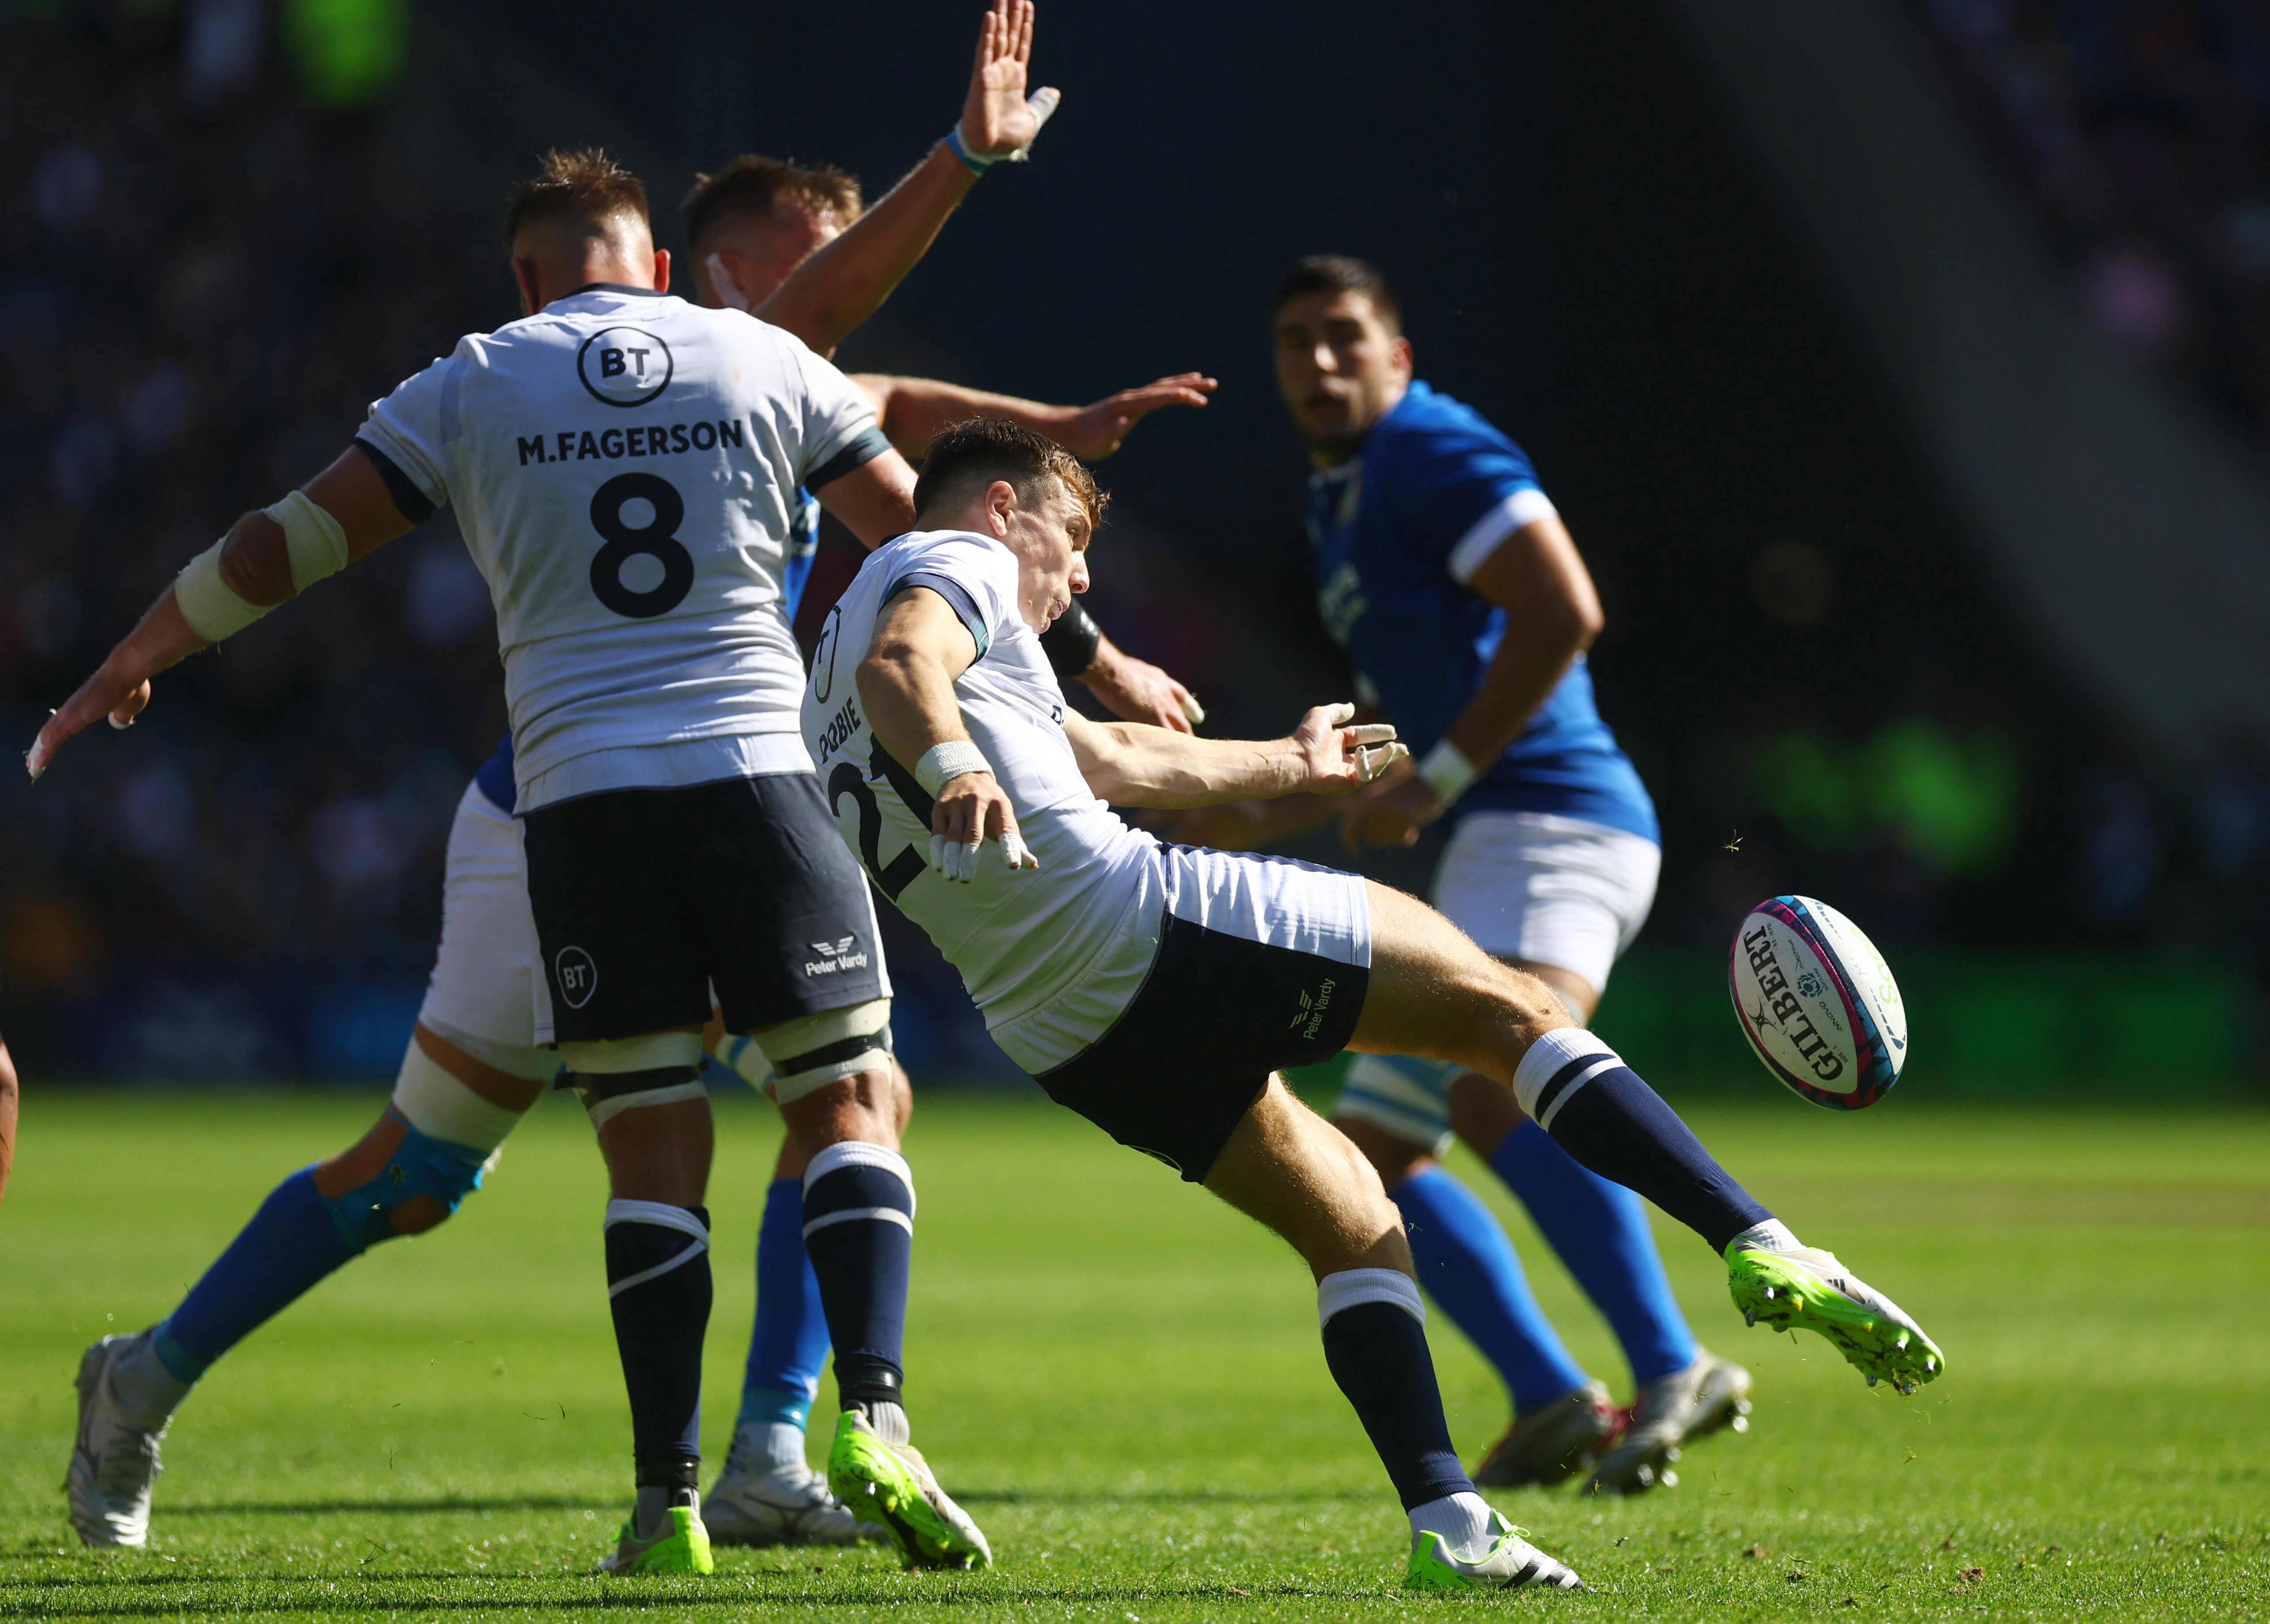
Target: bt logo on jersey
624,366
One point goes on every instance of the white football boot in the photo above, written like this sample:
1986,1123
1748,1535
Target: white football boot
1508,1562
757,1501
113,1461
1710,1393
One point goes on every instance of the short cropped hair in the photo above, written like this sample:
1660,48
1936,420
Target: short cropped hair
1340,273
586,185
747,188
985,449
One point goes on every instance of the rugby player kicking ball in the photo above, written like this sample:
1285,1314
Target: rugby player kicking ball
1158,990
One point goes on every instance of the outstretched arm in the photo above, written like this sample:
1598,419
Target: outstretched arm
914,411
1130,765
254,567
843,284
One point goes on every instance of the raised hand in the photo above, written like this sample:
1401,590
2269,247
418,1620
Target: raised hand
1094,431
1135,689
107,693
997,118
1340,759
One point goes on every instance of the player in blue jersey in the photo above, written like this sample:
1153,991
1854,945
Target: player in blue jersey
1445,575
473,1067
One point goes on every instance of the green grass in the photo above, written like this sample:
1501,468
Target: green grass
1121,1380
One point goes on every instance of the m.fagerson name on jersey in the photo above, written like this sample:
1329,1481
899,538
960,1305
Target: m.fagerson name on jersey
570,445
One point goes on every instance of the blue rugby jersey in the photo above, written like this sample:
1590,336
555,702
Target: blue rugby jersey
496,780
1387,528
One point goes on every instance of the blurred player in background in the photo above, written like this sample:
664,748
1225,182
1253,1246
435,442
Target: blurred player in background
473,1054
1159,990
1447,577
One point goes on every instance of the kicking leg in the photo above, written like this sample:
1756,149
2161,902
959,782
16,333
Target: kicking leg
427,1151
1433,992
1289,1168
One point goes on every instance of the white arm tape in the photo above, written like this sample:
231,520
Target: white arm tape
1447,771
950,760
1043,104
207,602
315,542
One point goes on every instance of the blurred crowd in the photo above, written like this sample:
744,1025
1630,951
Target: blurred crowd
2139,132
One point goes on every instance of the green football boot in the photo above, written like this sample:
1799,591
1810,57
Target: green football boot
680,1546
1510,1562
891,1484
1809,1290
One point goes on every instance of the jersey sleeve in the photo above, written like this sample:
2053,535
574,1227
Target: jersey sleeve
407,434
978,581
840,431
1467,488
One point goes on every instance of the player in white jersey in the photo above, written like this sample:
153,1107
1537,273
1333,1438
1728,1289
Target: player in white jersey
1157,989
671,828
473,1066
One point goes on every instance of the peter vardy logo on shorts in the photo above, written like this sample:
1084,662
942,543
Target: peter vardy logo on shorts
1312,1009
579,977
834,957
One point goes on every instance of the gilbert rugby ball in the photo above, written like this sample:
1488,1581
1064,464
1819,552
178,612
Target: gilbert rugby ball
1818,1002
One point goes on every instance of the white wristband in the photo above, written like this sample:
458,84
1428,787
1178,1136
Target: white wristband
207,602
949,760
1447,771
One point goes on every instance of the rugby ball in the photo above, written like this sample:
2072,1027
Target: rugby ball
1818,1002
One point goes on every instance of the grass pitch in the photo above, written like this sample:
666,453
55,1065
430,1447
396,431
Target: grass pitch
1121,1380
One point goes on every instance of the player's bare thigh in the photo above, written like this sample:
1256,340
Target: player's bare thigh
1433,993
1290,1169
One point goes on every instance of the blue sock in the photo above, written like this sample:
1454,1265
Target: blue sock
658,1293
290,1244
788,1342
1600,1230
859,1233
1466,1264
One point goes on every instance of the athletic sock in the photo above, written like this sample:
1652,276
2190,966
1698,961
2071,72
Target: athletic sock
659,1292
1596,1108
1466,1264
291,1244
651,1513
1463,1520
1599,1231
859,1233
788,1344
1377,1346
146,1391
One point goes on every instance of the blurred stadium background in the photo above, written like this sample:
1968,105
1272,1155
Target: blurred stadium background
1903,368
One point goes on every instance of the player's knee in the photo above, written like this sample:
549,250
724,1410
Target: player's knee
813,1051
624,1074
431,1150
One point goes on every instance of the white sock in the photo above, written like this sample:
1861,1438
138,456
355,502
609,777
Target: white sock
1772,1235
146,1389
889,1419
1463,1519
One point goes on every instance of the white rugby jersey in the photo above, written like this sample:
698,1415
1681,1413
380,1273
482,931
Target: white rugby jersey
1018,938
624,467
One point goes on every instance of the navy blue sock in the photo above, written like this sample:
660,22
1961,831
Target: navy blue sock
788,1344
1596,1108
1466,1264
1600,1230
1379,1356
659,1292
291,1244
859,1233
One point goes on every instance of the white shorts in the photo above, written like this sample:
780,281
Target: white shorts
1548,890
1526,885
1308,912
482,994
